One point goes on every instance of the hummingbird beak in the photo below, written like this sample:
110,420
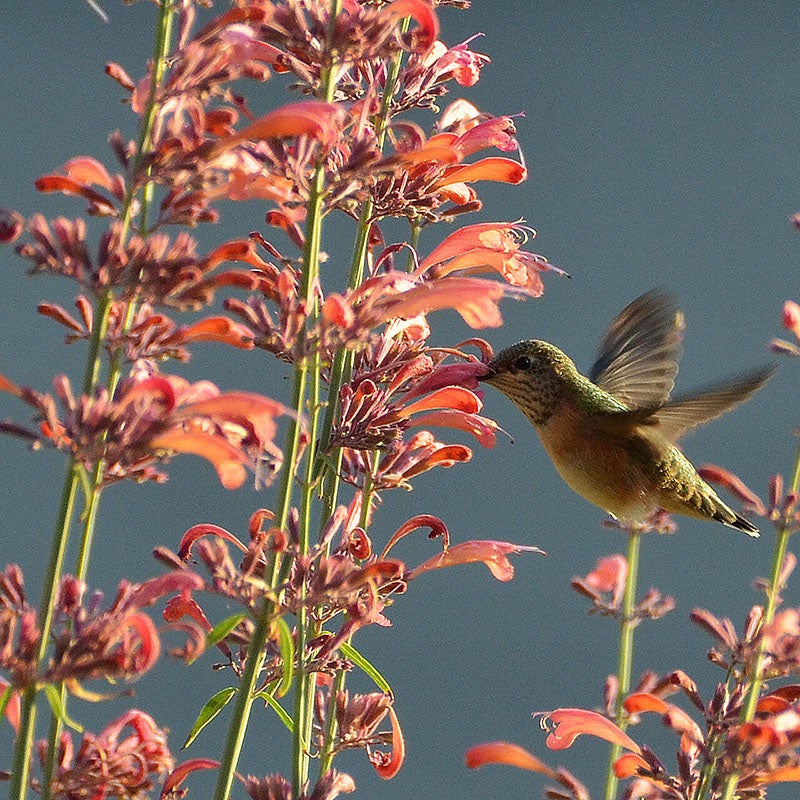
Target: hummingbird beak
488,375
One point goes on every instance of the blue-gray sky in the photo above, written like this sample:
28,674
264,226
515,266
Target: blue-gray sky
661,141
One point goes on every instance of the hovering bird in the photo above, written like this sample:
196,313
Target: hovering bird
612,436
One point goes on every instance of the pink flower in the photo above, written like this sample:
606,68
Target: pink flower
791,317
491,553
122,761
154,417
692,738
490,247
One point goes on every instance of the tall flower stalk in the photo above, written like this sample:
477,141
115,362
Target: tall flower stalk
72,479
627,625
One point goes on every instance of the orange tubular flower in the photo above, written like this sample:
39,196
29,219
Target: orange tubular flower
511,755
491,553
387,766
422,13
314,119
490,247
673,717
570,723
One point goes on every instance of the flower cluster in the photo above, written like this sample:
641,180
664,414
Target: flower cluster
89,642
605,587
152,417
124,760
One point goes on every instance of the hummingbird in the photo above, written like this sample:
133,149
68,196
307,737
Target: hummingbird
613,435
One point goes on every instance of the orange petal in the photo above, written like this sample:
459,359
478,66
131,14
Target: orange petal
455,397
494,168
490,235
505,753
220,329
247,408
88,170
643,701
205,529
772,705
149,644
226,459
444,456
482,428
182,771
9,386
183,606
438,153
491,553
387,768
423,14
608,574
475,300
780,775
313,118
629,764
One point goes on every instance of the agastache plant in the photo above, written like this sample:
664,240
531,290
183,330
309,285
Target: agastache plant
368,132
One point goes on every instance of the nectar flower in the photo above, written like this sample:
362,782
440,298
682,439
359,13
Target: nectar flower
153,269
153,417
605,586
569,723
490,247
123,761
118,642
505,753
493,554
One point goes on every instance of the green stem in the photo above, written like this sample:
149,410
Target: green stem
306,380
341,370
244,698
784,531
54,731
24,742
715,745
628,624
328,752
91,379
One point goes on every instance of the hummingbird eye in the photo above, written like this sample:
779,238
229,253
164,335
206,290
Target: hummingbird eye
522,363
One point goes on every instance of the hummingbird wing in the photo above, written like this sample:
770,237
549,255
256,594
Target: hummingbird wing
638,356
678,416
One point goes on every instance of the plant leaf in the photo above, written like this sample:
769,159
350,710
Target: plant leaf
283,715
53,694
222,629
210,710
286,643
350,653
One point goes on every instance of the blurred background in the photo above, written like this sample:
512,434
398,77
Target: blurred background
661,140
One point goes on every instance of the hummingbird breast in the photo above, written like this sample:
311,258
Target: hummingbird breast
617,470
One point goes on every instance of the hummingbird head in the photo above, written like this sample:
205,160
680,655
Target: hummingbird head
534,375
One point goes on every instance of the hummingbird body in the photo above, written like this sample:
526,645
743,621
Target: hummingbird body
612,436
